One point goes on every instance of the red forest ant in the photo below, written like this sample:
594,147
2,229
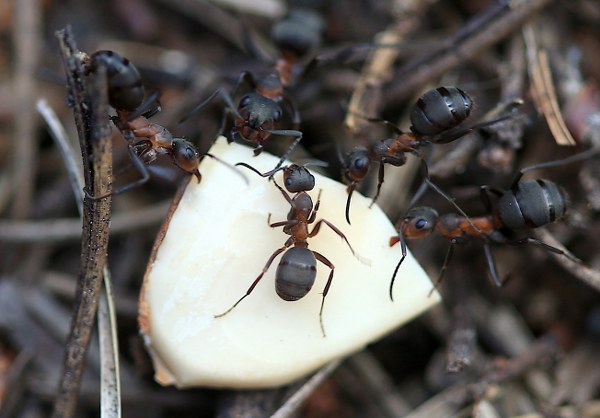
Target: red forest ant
297,268
145,140
259,111
435,118
527,204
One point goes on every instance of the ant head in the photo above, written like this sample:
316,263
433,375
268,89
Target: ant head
258,111
185,156
356,164
418,222
297,178
299,33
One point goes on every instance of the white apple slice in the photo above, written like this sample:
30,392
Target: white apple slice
215,244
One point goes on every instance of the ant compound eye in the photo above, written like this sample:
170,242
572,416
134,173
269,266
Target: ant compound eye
246,100
421,223
361,163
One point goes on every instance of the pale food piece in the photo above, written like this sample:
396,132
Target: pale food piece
216,244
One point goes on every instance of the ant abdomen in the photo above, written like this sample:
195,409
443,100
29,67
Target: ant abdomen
125,88
532,203
295,273
439,110
299,32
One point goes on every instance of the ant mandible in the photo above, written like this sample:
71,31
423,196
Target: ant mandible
145,140
297,268
528,204
435,118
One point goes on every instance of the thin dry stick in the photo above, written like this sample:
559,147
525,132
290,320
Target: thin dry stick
543,90
462,47
110,395
448,402
584,273
27,36
291,406
110,387
93,127
69,229
366,98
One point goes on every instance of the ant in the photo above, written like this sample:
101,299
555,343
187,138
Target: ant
297,34
435,117
146,140
297,268
528,204
259,111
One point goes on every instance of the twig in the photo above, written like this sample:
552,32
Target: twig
291,405
89,107
461,344
110,396
584,273
450,400
69,229
543,88
377,384
110,388
58,133
462,48
27,35
366,98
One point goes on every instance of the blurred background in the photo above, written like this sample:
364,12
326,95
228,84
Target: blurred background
526,349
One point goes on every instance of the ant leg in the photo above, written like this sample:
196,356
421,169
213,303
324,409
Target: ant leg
584,155
444,195
485,192
329,264
393,241
418,194
149,107
285,195
449,255
392,127
250,45
245,76
453,135
281,223
335,229
259,148
379,183
541,244
343,55
284,132
489,257
140,165
313,215
292,107
269,173
219,92
260,276
351,188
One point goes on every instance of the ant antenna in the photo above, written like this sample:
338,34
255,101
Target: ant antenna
226,164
